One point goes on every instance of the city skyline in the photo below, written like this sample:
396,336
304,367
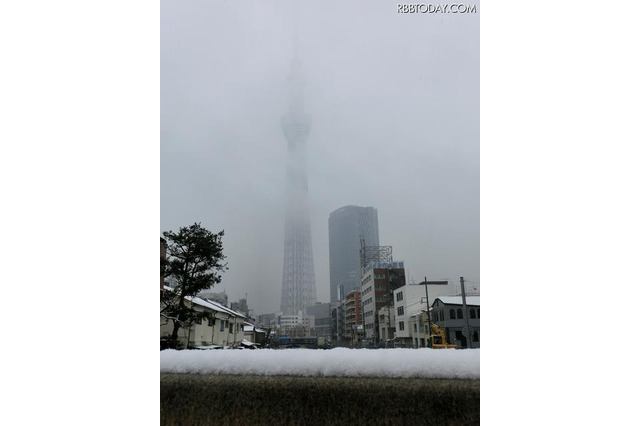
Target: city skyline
393,128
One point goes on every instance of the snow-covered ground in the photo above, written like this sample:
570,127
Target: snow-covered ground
429,363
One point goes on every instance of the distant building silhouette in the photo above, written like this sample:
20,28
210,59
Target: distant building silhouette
241,306
322,319
347,226
221,298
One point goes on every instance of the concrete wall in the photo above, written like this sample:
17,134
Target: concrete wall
200,399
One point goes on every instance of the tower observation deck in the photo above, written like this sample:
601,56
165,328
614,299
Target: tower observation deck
298,277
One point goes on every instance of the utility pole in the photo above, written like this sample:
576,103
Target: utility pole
389,322
466,313
426,289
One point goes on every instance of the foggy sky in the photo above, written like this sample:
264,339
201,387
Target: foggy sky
394,101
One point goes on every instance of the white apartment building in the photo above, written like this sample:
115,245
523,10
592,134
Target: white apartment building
409,300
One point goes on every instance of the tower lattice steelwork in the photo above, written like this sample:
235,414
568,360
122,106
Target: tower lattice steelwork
298,277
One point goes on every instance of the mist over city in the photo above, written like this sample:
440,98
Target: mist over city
393,101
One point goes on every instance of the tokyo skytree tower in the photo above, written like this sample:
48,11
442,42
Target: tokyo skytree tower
298,277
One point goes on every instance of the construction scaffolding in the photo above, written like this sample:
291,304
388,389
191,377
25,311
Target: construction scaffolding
368,254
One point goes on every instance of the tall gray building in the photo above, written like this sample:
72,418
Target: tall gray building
346,226
298,277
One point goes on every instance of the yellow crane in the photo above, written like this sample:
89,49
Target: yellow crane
439,338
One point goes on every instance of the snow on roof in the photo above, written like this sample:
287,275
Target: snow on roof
457,300
253,328
422,362
208,303
228,310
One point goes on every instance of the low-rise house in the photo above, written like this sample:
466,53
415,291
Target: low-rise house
221,326
254,334
448,313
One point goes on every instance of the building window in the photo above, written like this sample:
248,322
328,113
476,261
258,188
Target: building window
399,296
400,311
478,313
452,314
441,315
210,322
459,313
221,325
472,313
401,325
415,328
475,336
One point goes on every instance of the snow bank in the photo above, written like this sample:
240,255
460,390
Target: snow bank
424,362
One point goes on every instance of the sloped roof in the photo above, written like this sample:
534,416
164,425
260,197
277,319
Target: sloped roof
225,309
206,303
457,300
251,327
